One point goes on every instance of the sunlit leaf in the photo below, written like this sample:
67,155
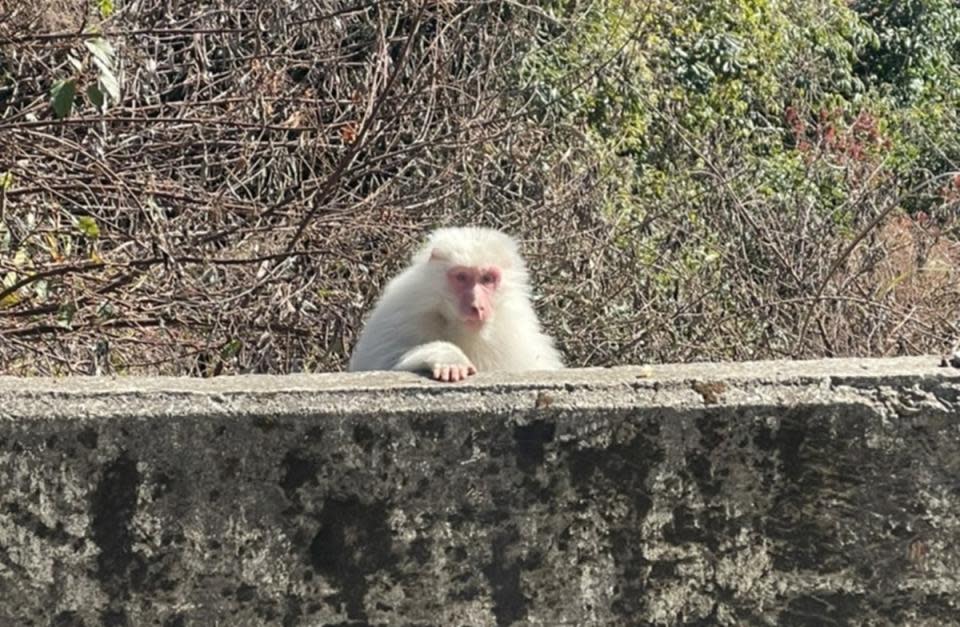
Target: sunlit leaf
103,57
62,95
105,310
109,83
10,300
88,226
75,62
101,50
106,7
42,290
6,180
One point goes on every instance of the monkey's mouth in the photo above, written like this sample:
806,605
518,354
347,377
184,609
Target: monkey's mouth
474,324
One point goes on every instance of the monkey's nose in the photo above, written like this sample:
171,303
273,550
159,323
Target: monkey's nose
477,312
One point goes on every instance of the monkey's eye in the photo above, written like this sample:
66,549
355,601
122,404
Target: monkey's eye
488,279
461,277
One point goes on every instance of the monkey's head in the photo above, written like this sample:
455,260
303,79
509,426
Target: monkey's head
479,267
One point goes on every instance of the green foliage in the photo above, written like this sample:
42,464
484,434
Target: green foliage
230,349
96,97
88,226
61,97
101,90
732,132
916,49
106,8
673,85
103,56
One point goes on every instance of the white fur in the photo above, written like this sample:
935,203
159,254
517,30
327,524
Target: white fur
414,325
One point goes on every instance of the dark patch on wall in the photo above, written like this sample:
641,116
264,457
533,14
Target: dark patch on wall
298,469
763,442
430,428
364,437
270,423
818,610
114,618
503,576
246,593
67,619
420,551
622,467
663,570
291,617
714,429
811,497
353,541
789,442
599,474
314,434
685,527
229,468
175,620
88,437
113,505
724,447
530,442
162,484
632,575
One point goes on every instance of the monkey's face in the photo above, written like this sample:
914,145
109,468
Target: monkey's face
474,290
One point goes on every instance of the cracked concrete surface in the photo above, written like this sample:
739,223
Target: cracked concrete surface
804,493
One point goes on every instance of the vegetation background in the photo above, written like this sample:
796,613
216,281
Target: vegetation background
213,187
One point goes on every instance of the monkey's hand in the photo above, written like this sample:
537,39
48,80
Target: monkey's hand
453,373
444,360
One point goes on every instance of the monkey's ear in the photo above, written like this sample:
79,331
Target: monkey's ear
437,255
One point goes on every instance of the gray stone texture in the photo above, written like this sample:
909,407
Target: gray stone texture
790,493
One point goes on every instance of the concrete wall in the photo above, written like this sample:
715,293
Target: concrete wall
806,493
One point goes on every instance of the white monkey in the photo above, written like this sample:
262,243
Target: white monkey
462,305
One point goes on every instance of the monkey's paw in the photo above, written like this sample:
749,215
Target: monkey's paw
456,372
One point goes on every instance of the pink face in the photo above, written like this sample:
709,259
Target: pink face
473,289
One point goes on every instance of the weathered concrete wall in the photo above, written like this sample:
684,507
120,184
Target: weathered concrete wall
808,493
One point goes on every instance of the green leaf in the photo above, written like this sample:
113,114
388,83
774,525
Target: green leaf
10,300
65,314
103,57
42,289
6,180
101,50
105,310
95,96
62,94
109,83
106,7
232,348
88,226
